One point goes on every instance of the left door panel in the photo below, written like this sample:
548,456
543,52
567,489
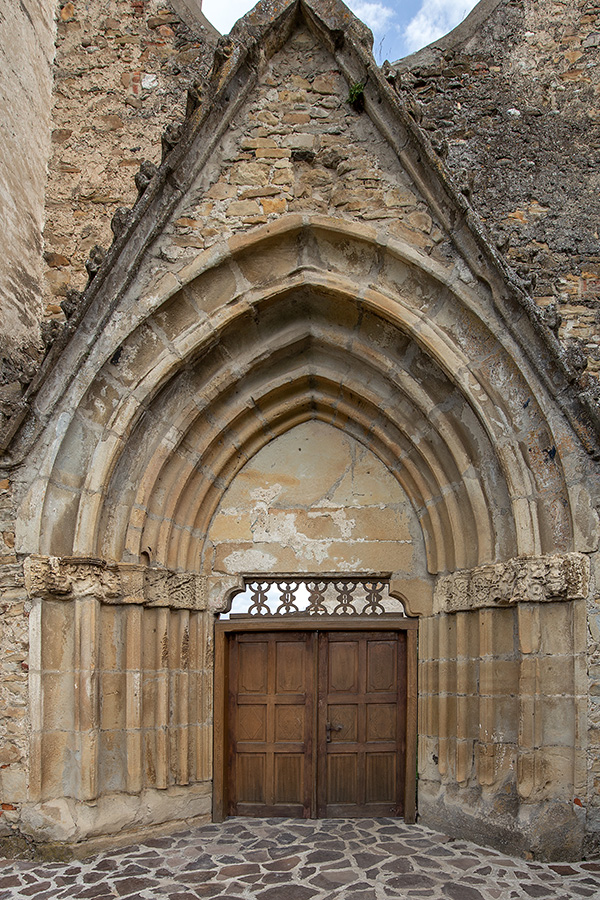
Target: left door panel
271,709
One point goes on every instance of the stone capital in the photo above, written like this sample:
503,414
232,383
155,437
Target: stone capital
71,578
520,580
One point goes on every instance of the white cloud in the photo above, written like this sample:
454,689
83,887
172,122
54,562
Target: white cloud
223,14
435,18
385,18
375,15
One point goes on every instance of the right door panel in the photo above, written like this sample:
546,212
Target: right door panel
361,727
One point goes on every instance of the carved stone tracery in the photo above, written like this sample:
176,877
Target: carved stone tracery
70,578
522,580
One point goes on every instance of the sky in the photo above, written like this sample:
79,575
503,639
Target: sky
399,26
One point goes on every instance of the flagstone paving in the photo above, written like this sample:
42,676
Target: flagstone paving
284,859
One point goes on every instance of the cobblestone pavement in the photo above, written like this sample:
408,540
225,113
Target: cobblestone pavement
283,859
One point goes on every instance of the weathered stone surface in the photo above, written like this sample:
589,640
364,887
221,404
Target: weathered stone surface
516,581
69,821
26,98
140,63
515,114
504,769
301,265
289,512
52,578
14,694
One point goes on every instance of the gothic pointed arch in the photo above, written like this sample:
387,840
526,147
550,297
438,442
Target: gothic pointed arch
298,265
309,341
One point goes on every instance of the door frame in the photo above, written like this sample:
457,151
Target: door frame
244,624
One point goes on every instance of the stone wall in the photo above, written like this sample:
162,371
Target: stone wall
297,263
510,101
120,77
315,500
300,146
26,102
592,847
15,608
122,72
121,677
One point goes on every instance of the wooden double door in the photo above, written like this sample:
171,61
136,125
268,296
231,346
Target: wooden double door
317,724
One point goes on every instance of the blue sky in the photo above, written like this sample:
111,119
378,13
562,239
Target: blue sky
399,26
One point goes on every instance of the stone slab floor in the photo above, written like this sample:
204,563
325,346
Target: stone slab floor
283,859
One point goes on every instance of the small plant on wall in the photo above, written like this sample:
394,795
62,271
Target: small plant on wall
356,96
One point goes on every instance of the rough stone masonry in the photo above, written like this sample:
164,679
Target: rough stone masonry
336,320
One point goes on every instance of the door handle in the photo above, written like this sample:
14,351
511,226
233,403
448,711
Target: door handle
329,728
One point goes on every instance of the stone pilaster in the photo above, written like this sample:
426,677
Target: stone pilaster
121,681
508,644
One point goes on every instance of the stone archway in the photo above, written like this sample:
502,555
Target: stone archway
297,263
182,405
310,325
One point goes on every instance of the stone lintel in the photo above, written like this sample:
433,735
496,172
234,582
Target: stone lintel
77,578
537,579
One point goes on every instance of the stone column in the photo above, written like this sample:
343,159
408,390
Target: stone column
64,675
507,764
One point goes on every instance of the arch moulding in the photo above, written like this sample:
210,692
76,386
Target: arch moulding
143,430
